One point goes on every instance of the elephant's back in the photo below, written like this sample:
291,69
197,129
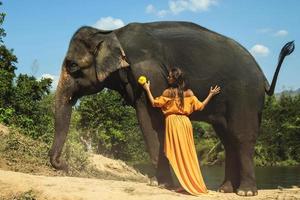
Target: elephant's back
204,55
191,42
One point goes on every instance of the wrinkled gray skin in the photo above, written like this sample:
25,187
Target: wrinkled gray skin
94,60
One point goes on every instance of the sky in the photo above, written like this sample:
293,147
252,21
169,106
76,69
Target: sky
39,31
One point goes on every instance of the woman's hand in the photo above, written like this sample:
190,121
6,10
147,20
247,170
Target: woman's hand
215,90
146,86
212,92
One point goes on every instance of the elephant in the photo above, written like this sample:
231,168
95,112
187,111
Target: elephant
115,59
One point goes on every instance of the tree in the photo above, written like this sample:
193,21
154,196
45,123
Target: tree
30,113
279,141
7,69
22,98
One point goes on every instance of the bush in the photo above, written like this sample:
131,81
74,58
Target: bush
23,153
6,115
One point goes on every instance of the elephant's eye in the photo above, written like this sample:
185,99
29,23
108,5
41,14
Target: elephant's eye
73,68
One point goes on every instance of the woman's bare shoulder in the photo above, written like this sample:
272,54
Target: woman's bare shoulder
188,93
167,92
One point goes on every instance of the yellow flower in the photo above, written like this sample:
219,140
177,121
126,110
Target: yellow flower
142,80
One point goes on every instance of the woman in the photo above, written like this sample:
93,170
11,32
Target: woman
176,103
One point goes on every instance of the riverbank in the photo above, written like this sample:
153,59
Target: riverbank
16,184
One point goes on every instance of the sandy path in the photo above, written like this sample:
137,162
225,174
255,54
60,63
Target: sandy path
65,188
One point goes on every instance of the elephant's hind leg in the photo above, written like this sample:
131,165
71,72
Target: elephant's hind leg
247,175
244,128
231,180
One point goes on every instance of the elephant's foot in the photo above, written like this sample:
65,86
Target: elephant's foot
165,182
226,187
153,181
165,185
247,190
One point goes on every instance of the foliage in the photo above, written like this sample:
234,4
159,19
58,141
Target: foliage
6,115
279,141
112,125
210,150
30,107
31,112
7,68
28,195
22,153
23,101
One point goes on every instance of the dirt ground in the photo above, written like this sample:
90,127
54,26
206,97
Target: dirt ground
13,184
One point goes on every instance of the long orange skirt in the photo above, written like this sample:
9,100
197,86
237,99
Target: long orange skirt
180,150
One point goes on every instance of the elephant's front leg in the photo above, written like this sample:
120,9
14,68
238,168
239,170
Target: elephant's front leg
152,125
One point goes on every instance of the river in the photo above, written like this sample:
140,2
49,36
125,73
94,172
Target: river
266,177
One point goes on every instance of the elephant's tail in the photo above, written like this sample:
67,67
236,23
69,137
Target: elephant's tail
286,50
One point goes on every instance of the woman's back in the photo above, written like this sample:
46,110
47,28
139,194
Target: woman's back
170,102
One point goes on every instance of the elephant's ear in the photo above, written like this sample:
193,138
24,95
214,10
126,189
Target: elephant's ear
109,55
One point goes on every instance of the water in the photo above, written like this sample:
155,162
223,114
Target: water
266,177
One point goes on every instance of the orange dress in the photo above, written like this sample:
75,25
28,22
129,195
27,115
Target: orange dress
179,144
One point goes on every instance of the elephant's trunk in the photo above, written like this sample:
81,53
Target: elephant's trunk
63,110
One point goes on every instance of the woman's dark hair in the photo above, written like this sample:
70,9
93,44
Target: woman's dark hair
178,82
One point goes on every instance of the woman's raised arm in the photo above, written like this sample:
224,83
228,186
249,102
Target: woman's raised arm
212,92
